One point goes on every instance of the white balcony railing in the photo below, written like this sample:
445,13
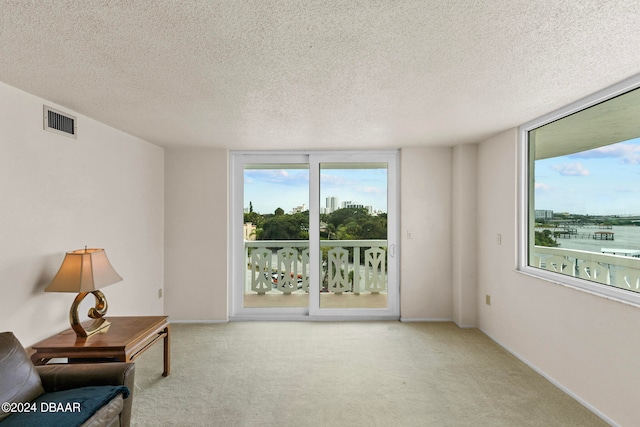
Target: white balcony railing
347,266
613,270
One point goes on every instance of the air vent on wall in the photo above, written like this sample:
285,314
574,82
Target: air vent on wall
59,122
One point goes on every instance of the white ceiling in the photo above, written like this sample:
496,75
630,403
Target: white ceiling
316,74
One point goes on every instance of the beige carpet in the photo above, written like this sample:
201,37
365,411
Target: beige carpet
344,374
327,300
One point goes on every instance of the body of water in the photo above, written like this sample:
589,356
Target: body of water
625,237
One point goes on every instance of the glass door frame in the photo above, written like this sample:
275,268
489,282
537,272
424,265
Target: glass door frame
238,159
392,310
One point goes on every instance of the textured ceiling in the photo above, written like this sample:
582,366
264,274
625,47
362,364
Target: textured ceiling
316,74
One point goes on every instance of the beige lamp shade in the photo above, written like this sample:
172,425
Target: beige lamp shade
84,270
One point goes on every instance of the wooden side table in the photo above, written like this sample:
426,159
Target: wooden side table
124,341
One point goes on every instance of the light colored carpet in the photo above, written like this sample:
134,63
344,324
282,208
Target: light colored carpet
344,374
327,300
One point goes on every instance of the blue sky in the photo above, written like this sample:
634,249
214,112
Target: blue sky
269,189
602,181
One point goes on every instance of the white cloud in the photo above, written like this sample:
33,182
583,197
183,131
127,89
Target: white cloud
542,186
276,176
335,180
373,190
280,173
571,169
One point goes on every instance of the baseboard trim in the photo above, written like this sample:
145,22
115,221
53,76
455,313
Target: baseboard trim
553,381
424,319
198,321
308,318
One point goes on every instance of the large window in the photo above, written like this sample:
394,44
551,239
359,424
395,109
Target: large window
580,222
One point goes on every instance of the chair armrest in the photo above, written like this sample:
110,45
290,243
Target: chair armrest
65,377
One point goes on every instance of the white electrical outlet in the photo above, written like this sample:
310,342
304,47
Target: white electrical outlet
160,293
499,238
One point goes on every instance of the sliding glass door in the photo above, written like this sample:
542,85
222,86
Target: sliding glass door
314,234
276,234
353,228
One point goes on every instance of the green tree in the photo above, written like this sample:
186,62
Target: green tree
356,224
279,227
544,238
350,231
346,215
279,212
331,231
373,227
286,227
254,218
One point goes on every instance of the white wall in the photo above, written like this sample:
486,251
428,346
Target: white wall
103,189
587,344
196,234
425,212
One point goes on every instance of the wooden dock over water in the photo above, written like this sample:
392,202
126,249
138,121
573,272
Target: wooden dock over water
603,235
598,235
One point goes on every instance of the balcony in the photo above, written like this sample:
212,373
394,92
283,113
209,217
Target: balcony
353,273
613,270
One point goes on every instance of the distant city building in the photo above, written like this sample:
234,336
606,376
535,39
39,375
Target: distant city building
351,205
543,215
299,209
249,231
331,204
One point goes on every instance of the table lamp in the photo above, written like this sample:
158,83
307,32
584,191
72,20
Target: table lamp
85,271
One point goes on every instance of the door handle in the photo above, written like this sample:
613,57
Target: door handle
392,250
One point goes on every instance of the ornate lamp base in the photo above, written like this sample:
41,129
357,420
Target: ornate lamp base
99,324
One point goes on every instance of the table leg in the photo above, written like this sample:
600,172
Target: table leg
167,353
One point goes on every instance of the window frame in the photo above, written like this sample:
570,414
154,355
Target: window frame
525,190
237,161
